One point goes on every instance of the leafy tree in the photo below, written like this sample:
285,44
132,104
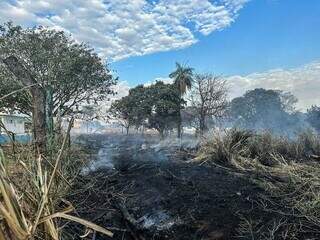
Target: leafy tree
132,110
313,117
140,95
183,77
122,110
57,73
208,99
74,72
166,104
156,106
263,109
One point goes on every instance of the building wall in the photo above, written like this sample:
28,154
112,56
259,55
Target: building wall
14,124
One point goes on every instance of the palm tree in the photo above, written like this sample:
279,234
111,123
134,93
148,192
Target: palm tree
183,78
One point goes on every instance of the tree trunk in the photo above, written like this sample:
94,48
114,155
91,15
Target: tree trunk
202,125
179,119
127,130
161,133
39,119
49,117
38,101
179,125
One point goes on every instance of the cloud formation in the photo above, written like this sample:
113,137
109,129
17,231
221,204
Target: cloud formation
303,82
118,29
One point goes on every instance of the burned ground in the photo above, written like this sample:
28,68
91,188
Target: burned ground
149,192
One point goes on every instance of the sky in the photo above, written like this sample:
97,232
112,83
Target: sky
252,43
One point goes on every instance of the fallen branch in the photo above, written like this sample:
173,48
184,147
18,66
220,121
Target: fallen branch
132,224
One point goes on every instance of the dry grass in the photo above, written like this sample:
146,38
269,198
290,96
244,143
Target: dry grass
31,203
231,146
287,170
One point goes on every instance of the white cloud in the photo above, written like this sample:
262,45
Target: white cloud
165,80
122,28
303,82
121,90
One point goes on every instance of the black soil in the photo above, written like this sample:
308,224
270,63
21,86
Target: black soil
165,196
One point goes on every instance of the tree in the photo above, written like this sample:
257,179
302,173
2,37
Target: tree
75,73
208,99
122,110
264,109
38,101
156,106
132,110
183,77
141,98
313,117
59,73
166,104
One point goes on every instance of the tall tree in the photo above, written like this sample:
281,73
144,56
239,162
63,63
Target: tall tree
166,103
122,111
38,101
183,77
156,106
70,72
74,72
208,99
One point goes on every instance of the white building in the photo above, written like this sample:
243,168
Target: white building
16,123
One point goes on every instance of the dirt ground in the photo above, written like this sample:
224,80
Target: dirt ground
141,189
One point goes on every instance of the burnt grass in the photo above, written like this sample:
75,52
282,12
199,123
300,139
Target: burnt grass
157,194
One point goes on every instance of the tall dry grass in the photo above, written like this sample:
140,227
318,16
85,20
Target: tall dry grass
230,147
31,203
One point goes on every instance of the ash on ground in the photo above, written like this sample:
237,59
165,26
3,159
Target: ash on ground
143,188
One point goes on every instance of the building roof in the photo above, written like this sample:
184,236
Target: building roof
17,115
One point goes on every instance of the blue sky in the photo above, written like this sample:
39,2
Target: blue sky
267,34
272,44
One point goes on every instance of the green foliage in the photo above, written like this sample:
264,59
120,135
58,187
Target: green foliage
166,104
72,69
262,109
132,110
183,77
19,101
156,106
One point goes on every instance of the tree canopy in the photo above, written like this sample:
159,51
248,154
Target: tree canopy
166,104
183,77
208,99
263,109
74,72
156,106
